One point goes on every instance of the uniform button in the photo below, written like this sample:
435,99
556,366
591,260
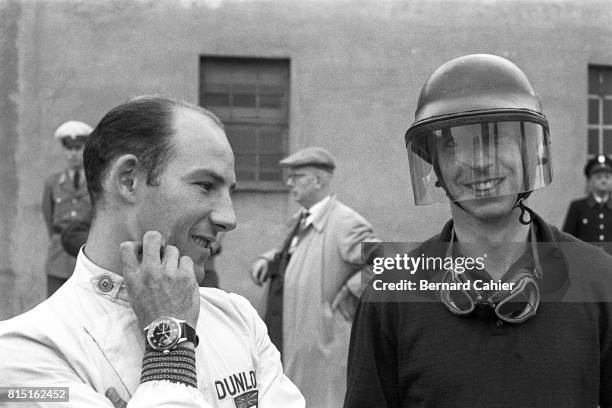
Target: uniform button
499,323
74,201
585,221
601,226
58,200
600,216
601,237
73,213
105,284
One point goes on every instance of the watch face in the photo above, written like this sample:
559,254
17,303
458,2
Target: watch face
164,334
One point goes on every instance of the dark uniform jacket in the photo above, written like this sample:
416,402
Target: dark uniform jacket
416,353
61,205
590,221
75,236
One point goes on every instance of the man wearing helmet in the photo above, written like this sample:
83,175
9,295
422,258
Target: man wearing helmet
590,218
481,142
65,199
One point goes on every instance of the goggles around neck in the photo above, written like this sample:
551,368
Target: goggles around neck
514,306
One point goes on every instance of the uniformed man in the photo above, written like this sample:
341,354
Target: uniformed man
65,199
590,218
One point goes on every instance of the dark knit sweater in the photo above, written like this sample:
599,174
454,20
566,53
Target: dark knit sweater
418,354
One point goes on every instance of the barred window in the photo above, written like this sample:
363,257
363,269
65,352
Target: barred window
600,110
251,97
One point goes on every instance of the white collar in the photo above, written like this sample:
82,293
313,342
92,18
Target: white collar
72,172
99,280
601,200
316,209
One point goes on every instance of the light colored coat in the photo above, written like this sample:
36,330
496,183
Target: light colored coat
326,262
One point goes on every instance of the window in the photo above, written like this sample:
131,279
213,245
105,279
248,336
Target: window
600,110
251,97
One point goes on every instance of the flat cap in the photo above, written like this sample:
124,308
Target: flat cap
310,156
73,129
598,164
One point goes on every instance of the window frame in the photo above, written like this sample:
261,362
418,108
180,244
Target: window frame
256,123
600,97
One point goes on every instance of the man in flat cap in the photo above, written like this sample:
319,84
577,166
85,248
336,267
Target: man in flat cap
590,218
315,280
65,200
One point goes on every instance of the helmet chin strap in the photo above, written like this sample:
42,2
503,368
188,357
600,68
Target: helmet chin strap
524,209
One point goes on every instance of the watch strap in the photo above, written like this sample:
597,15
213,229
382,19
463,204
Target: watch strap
189,334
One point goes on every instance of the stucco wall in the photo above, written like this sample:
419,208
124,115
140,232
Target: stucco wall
356,71
9,118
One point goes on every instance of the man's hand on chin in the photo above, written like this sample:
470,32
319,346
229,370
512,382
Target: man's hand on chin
160,285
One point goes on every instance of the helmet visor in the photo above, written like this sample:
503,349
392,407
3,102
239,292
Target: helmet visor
478,160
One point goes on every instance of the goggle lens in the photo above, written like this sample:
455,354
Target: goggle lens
521,304
461,300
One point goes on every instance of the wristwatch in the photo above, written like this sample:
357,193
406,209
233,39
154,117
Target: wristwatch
166,333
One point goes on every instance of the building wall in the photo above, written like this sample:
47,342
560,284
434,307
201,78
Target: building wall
9,118
356,71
